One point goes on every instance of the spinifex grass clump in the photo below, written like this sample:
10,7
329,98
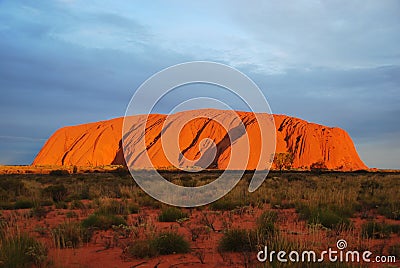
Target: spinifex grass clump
141,249
107,215
266,223
21,250
238,240
164,243
171,214
170,243
112,206
115,207
373,229
103,221
70,235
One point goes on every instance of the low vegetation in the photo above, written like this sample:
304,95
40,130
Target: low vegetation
290,211
22,250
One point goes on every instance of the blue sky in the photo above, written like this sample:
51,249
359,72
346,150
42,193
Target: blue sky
68,62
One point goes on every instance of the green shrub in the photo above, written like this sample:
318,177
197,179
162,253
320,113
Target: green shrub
22,251
22,204
170,243
171,214
237,240
372,229
102,221
70,235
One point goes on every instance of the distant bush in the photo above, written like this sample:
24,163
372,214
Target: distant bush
171,214
22,251
318,166
295,177
59,172
57,192
121,171
103,221
74,169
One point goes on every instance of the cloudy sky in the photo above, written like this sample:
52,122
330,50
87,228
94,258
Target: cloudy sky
68,62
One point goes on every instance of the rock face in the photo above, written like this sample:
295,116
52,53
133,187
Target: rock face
99,143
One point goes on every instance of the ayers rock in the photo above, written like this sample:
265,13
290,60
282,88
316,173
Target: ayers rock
99,143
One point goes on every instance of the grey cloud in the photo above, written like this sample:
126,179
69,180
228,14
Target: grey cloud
323,33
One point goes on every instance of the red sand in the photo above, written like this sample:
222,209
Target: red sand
104,251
